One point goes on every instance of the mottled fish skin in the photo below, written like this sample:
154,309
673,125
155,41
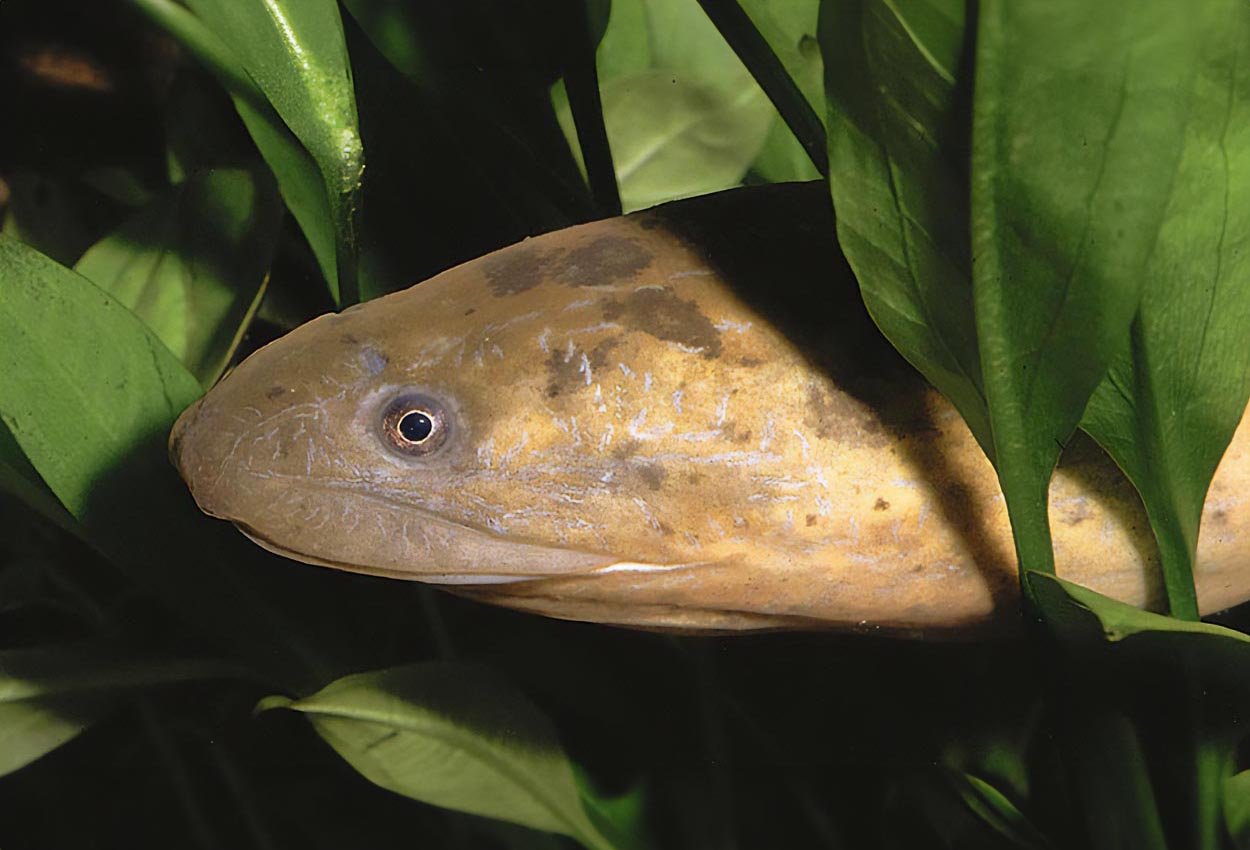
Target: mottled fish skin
678,419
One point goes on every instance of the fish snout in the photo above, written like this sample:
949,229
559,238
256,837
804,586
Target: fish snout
176,434
193,453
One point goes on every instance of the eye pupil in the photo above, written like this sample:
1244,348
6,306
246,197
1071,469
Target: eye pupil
415,426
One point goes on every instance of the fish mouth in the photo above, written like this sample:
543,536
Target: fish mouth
464,578
350,525
377,534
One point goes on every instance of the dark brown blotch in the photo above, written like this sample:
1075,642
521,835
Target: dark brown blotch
881,505
658,311
626,449
652,474
564,373
733,435
838,416
811,520
602,262
1076,512
275,392
516,269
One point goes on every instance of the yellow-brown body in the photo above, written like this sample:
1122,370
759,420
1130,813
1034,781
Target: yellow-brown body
681,419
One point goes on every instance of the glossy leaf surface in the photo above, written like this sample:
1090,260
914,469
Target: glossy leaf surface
192,265
456,737
1181,375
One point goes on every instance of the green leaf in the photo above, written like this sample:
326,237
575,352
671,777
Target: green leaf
790,28
677,137
90,395
296,53
899,141
1194,652
313,194
51,694
1181,378
1072,610
110,357
1237,809
796,107
193,265
998,812
684,117
455,737
1079,125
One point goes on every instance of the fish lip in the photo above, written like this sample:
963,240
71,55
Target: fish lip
494,579
566,561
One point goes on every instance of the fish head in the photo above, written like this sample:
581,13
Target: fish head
482,428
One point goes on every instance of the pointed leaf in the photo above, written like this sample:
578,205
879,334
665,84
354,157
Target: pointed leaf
1181,378
456,737
51,694
1237,809
999,813
89,395
193,264
1079,126
683,115
296,53
298,178
899,88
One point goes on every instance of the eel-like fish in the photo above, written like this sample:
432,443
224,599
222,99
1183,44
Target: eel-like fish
679,419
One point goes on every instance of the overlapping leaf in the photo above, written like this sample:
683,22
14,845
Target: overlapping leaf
192,265
1179,384
456,737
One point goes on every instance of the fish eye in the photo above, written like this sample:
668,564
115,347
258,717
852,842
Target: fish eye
414,425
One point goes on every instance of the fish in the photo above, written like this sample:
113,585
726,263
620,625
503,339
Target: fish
680,419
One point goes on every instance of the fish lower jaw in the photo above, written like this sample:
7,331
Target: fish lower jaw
586,563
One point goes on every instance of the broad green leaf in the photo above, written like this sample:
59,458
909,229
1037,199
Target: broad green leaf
676,137
90,394
684,117
899,140
51,694
314,195
1079,125
787,31
193,265
1237,809
455,737
112,383
296,53
1179,384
